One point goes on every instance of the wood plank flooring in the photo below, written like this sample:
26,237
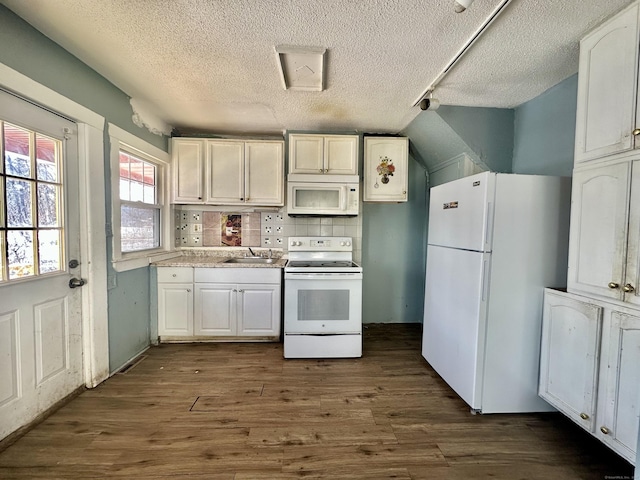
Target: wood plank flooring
240,411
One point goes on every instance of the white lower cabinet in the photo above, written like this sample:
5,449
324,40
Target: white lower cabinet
175,302
225,303
589,362
238,302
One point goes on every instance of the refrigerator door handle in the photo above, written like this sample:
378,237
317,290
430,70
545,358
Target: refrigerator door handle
485,279
488,226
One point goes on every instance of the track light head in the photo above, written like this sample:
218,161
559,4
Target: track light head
461,5
429,104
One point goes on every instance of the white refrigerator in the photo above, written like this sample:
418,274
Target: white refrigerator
494,242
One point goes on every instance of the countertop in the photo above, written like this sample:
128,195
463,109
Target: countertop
216,260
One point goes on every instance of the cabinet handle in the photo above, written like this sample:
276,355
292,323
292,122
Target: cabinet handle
241,291
188,290
174,275
636,132
584,416
604,430
613,285
628,288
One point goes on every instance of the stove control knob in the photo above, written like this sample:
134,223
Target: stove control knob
342,244
348,244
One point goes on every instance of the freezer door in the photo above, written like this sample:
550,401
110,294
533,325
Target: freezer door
455,318
461,213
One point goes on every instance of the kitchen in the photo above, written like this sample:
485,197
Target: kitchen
394,278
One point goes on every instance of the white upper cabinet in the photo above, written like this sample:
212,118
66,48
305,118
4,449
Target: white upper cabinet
323,154
386,163
597,253
607,114
228,172
187,169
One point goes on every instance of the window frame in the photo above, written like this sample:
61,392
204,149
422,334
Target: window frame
122,140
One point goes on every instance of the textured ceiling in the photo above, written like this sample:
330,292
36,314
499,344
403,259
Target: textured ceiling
210,65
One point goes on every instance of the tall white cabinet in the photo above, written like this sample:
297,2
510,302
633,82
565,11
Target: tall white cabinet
590,355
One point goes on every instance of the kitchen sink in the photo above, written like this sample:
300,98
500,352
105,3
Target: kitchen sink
250,260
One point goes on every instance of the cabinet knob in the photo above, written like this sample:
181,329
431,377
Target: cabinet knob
628,288
321,170
188,290
241,291
604,430
636,132
613,285
584,416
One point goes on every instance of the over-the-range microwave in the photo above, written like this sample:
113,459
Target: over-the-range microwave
329,195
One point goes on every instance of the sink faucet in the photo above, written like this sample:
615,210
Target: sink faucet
252,253
270,253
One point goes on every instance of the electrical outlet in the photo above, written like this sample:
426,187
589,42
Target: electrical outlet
268,230
267,218
196,227
196,216
279,217
279,241
279,229
184,227
266,241
184,240
195,240
184,216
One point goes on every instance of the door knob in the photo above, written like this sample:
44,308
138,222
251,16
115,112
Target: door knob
76,282
628,288
613,285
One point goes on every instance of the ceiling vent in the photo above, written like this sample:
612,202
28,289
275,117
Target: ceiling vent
301,68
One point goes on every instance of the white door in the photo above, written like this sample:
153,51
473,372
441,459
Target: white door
607,85
569,356
225,172
259,310
264,175
619,424
188,170
306,154
454,318
460,213
40,315
215,309
386,152
598,234
341,154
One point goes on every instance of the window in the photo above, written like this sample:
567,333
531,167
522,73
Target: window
140,215
139,206
31,193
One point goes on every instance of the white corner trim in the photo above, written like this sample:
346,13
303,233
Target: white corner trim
135,142
44,96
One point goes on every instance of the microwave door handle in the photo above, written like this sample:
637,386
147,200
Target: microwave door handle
344,189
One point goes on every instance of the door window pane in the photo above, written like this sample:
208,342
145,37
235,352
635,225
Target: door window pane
17,151
46,159
48,205
49,247
20,249
19,212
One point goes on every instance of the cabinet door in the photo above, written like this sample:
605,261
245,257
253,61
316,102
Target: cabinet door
597,242
225,172
187,164
386,185
619,423
632,274
569,356
341,154
215,311
607,82
306,154
175,309
264,173
259,310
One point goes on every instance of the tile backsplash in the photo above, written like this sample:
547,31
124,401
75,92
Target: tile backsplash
201,226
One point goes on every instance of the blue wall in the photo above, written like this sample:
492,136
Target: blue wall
27,51
545,130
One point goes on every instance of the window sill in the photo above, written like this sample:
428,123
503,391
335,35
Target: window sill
143,260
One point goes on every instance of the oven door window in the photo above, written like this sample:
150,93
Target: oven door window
326,305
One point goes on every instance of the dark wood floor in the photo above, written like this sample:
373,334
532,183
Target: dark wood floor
240,411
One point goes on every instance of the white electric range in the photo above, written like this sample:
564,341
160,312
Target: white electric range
322,299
